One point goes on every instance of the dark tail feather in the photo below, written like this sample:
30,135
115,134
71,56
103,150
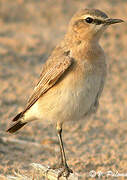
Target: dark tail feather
18,116
16,127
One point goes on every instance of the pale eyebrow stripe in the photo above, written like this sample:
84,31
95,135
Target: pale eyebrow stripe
93,17
95,20
85,16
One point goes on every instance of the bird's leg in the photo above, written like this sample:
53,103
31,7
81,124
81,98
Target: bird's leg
62,152
62,160
65,169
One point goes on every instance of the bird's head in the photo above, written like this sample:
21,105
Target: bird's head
90,23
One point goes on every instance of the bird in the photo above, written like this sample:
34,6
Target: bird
72,79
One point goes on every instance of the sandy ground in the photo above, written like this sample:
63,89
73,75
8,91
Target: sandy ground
29,31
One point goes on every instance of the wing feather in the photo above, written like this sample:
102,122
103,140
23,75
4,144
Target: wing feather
49,78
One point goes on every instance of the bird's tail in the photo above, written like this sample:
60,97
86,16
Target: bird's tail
18,123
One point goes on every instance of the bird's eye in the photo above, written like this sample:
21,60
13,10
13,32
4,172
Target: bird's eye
89,20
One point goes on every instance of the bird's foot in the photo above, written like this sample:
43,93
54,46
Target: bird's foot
64,171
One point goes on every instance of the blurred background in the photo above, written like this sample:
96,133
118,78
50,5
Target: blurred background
29,30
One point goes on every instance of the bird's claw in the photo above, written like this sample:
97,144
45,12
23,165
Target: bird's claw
65,171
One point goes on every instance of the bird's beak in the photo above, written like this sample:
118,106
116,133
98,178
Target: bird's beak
112,21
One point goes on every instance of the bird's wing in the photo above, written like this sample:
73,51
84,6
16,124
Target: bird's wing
49,78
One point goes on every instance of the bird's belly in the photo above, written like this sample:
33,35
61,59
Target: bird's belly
66,103
84,97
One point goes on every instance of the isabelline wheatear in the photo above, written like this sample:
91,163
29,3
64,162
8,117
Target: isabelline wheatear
72,79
